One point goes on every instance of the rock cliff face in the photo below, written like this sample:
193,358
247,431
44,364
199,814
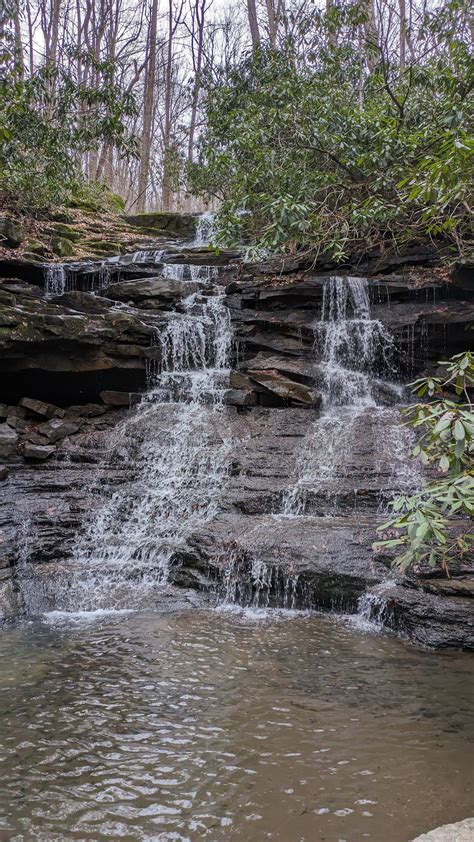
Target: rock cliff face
78,347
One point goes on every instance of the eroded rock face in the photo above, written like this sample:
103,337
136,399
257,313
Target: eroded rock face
54,437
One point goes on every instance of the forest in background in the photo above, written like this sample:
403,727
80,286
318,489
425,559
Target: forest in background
307,127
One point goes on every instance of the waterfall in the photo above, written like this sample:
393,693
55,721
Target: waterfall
205,229
175,452
351,350
55,279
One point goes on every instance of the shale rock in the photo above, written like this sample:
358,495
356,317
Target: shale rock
111,398
240,397
49,410
285,388
157,291
57,429
8,440
37,451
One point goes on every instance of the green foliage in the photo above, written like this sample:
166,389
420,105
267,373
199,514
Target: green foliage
324,156
48,123
430,526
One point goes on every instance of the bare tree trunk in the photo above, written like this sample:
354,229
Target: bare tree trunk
371,36
30,38
402,34
272,23
18,44
166,187
332,40
198,12
253,23
52,52
148,101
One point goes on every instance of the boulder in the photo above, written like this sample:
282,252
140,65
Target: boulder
62,246
4,471
161,289
11,233
458,832
111,398
49,410
183,225
38,451
7,411
8,440
285,388
88,410
16,423
240,397
57,429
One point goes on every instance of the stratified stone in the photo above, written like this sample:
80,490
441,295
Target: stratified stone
37,451
57,429
16,423
159,289
111,398
88,410
48,410
7,411
237,380
240,397
8,440
285,388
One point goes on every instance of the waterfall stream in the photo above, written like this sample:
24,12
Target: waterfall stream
175,448
353,351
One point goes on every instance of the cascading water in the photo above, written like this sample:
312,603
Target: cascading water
205,229
176,448
353,350
55,279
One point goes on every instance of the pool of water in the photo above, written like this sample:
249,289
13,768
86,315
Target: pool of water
228,725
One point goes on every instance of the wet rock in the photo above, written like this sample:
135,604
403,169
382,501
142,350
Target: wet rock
284,388
36,438
429,619
4,471
237,380
16,423
57,429
111,398
37,451
159,290
88,410
240,397
459,832
7,411
8,440
48,410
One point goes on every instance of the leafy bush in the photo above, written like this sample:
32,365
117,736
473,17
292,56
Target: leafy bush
430,526
324,156
48,123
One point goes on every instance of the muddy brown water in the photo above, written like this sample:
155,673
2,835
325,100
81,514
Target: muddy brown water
229,725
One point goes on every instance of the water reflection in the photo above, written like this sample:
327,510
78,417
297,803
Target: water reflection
228,725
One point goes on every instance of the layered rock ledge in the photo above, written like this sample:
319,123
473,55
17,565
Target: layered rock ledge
74,365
